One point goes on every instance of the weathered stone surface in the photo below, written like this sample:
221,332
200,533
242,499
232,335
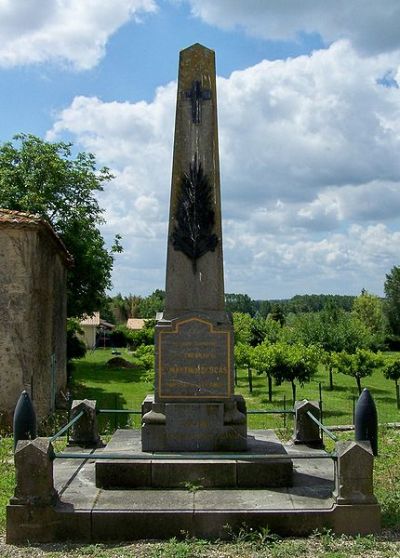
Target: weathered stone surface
202,289
33,310
207,472
194,340
260,474
85,431
121,474
47,524
86,513
354,473
194,360
197,474
306,431
34,473
193,427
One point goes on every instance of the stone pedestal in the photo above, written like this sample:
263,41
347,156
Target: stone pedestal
34,473
306,431
85,431
202,426
354,473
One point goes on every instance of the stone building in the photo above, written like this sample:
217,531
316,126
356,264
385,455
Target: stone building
33,271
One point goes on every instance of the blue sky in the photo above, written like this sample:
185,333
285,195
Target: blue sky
309,119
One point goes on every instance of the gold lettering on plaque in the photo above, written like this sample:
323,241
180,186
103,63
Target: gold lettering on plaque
193,379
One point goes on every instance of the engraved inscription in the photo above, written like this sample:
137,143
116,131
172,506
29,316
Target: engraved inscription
194,361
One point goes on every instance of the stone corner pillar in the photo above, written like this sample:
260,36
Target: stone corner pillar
306,431
34,473
354,473
85,431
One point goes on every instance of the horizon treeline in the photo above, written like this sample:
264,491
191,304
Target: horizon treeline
118,309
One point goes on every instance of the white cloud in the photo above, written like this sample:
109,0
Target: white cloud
68,31
310,173
372,26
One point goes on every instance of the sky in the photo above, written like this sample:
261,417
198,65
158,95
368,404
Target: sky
309,128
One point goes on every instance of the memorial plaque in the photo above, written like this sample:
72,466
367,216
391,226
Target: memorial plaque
194,361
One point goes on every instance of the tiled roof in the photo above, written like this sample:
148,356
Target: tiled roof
94,319
21,219
135,323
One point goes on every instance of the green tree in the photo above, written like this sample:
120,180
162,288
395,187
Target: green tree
392,306
150,305
262,362
277,314
368,308
43,178
243,359
392,372
359,365
242,324
263,307
334,330
286,363
240,303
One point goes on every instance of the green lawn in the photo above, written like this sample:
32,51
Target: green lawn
245,544
126,388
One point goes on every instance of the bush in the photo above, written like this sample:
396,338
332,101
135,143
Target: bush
145,353
120,336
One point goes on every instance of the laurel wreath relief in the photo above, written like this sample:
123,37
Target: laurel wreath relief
194,218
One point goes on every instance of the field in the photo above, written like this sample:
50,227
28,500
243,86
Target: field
245,543
126,389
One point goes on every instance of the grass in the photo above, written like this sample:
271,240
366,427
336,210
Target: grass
246,542
126,389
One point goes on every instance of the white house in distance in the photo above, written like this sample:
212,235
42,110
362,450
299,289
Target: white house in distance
91,327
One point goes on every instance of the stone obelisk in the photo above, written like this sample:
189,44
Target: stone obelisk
194,407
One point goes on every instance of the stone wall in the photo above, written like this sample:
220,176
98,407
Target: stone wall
33,267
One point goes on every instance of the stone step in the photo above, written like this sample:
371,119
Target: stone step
181,472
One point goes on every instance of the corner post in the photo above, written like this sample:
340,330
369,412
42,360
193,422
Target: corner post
306,431
85,431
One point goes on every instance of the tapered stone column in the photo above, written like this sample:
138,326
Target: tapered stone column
194,407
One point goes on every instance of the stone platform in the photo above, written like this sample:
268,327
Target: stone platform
87,513
206,472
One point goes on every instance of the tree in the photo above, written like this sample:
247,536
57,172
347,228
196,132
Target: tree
392,372
43,178
239,303
368,308
358,365
277,314
152,304
242,327
286,362
243,359
262,362
295,363
334,330
392,306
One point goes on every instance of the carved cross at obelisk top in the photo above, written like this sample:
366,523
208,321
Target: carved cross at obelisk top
196,95
195,280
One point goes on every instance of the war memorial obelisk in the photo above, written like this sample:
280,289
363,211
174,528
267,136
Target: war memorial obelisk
194,407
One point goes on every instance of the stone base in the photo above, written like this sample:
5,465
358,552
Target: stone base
207,472
87,513
194,426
